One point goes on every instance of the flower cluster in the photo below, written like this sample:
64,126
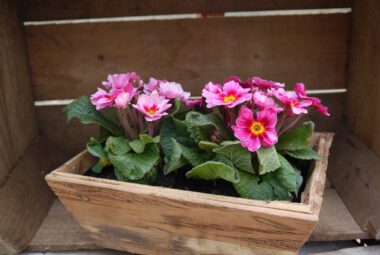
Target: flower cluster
140,106
257,110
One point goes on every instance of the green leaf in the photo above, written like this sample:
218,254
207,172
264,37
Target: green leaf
297,138
133,166
148,178
174,160
119,176
148,139
286,175
268,160
239,156
250,187
97,168
306,154
117,145
194,155
96,148
137,145
83,109
214,170
207,145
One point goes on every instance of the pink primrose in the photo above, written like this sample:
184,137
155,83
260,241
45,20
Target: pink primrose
153,106
230,95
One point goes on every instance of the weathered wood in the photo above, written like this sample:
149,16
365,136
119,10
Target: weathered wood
370,250
81,9
354,172
69,60
25,198
363,104
335,220
18,122
60,232
73,136
182,222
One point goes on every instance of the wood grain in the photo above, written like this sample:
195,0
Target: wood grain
354,171
181,222
80,9
363,104
18,122
370,250
72,137
70,60
25,198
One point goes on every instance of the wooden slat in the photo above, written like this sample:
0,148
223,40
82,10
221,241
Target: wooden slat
65,9
370,250
72,137
60,232
354,172
18,122
70,60
363,104
25,198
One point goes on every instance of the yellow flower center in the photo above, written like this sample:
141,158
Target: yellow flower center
152,111
229,99
257,128
292,104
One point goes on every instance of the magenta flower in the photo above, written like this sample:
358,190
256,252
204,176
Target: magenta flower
153,106
254,132
290,100
316,102
265,102
230,95
173,90
264,84
120,81
102,99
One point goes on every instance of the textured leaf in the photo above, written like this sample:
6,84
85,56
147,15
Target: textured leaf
83,109
268,160
297,138
207,145
250,187
117,145
148,178
96,148
287,175
214,170
133,166
174,160
306,154
148,139
137,145
119,176
239,156
194,155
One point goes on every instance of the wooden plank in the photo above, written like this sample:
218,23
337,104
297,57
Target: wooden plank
69,60
25,198
363,104
354,173
18,122
60,232
370,250
72,137
37,10
335,221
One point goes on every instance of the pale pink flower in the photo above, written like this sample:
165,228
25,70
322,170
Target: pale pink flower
316,102
102,99
290,100
119,81
265,102
256,132
122,99
151,85
153,106
173,90
264,84
230,95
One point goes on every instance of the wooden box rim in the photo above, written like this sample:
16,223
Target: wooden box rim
308,209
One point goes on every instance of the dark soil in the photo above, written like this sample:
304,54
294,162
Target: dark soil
178,180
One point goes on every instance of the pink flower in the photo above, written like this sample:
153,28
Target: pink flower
151,85
173,90
230,95
264,84
236,79
254,132
265,102
122,100
316,102
153,106
102,99
193,102
290,100
119,81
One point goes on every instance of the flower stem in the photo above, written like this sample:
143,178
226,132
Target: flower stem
125,119
151,129
290,125
282,120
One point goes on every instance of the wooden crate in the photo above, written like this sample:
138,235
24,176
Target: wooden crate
51,51
150,220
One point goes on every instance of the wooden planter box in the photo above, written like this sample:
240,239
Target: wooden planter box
155,220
